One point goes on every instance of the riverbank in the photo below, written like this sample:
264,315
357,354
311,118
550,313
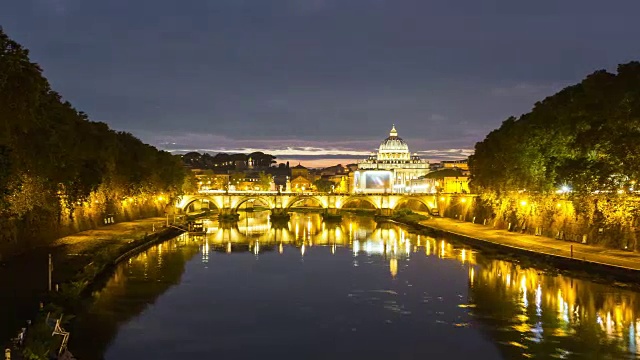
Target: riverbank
81,262
615,264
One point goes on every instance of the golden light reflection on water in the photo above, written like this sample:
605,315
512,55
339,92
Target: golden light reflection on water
393,267
528,309
552,307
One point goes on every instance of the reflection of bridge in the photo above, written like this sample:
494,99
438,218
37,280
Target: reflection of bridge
254,232
230,202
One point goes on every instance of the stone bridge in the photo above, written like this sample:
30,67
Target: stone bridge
230,202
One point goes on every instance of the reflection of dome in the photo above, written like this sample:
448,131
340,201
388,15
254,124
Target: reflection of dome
394,143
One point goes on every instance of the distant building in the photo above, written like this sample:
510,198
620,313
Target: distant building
450,180
340,183
280,174
300,184
391,169
334,170
462,165
210,180
299,170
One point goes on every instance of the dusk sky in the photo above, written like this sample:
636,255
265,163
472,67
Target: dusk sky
318,79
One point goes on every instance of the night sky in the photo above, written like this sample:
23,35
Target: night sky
318,79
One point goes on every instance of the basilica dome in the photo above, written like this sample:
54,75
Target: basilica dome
394,143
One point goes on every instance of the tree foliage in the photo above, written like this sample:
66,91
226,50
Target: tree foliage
585,136
323,185
53,158
223,161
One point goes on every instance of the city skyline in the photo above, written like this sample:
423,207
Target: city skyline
315,157
317,81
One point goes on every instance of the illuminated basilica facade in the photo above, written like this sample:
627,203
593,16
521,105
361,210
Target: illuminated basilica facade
393,156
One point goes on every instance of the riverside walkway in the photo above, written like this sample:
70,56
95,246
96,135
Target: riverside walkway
620,259
113,235
26,275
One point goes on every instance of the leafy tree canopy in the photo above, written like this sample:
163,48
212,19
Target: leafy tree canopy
52,155
585,136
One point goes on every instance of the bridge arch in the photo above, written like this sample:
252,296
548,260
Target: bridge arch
270,204
184,203
323,202
349,199
424,201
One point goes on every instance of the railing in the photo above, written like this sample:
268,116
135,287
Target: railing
314,193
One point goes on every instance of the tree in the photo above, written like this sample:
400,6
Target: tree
323,185
53,159
265,181
585,136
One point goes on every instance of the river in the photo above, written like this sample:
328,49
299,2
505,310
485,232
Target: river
352,290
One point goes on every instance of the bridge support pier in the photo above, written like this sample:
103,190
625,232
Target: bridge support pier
227,211
385,212
228,215
278,211
279,214
332,211
279,202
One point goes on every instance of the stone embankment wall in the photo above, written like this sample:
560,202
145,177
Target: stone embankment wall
608,220
41,228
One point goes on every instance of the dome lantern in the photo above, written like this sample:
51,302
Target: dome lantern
393,146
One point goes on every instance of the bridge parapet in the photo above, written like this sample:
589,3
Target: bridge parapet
231,202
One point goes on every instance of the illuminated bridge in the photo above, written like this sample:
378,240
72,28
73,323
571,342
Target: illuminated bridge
230,202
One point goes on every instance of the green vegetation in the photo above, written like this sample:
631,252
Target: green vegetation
323,185
585,136
407,216
57,166
228,217
569,167
222,161
68,300
264,181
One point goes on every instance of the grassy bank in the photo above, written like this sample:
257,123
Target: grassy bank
88,271
405,216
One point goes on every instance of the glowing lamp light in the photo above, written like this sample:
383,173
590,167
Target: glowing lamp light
523,203
442,198
463,200
564,189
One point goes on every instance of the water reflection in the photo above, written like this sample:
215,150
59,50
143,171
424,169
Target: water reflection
523,311
553,316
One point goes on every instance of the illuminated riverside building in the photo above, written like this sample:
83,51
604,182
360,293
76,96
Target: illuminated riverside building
391,169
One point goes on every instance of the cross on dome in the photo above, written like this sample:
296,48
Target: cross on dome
393,131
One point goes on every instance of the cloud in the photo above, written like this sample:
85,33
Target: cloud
309,153
286,151
446,154
316,77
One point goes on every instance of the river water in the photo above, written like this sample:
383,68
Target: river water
353,290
